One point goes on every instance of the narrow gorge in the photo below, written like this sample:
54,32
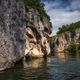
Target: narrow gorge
39,40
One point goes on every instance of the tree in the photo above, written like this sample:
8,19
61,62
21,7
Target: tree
70,27
72,49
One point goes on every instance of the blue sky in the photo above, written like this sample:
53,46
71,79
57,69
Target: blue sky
62,12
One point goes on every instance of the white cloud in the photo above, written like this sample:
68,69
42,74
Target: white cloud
62,16
75,4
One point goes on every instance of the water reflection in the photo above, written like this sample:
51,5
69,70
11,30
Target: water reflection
36,69
62,55
51,68
36,63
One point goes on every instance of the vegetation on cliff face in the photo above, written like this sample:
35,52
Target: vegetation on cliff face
38,5
68,39
70,27
73,49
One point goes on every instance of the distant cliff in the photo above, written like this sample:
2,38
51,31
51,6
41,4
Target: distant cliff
63,40
24,31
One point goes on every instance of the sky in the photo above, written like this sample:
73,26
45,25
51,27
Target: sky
62,12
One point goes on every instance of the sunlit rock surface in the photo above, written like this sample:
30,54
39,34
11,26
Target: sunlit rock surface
63,40
38,31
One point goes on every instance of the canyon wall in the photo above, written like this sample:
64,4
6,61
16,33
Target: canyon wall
38,29
22,33
63,40
12,28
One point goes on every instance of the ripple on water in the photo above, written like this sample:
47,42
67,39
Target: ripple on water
51,68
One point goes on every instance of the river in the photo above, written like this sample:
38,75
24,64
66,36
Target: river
51,68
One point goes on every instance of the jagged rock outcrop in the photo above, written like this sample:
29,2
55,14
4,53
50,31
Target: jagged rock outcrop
12,36
63,40
38,31
18,39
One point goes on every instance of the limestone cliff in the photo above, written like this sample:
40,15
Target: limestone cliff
12,40
38,31
18,39
63,40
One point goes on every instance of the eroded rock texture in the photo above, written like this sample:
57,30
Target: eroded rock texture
12,40
63,40
38,31
18,39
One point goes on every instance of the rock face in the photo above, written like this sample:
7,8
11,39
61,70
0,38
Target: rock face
12,36
63,40
18,39
38,31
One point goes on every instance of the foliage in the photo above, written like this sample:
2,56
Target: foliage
53,38
36,4
73,49
70,27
